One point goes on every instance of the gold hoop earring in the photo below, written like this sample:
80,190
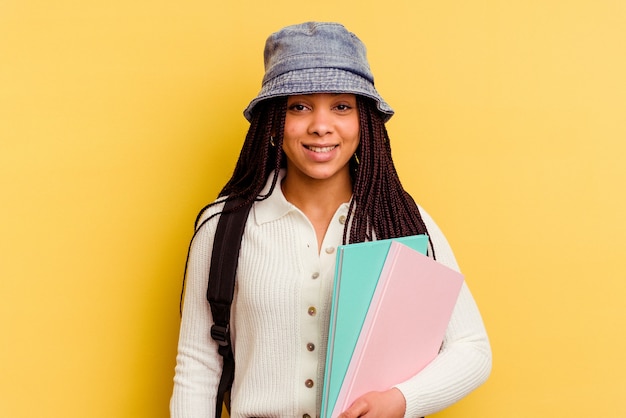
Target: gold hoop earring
272,143
356,159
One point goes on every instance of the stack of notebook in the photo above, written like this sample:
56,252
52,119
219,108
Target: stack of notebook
391,306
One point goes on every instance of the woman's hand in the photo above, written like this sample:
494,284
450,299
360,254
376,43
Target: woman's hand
388,404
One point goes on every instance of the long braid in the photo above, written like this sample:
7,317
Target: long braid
258,158
380,206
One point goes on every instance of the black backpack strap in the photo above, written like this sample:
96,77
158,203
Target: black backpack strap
221,288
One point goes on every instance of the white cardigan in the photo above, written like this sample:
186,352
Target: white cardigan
280,320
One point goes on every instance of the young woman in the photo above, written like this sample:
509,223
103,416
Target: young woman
316,163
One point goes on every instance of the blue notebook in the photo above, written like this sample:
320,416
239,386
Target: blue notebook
357,271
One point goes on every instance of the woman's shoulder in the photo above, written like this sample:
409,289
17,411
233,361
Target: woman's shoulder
428,220
209,214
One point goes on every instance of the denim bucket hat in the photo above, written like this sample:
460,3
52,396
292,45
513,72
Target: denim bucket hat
316,57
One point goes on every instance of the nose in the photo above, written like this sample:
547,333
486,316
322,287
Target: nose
321,122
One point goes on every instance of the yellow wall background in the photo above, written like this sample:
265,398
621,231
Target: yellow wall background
119,120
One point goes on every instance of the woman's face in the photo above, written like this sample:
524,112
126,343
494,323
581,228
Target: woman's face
321,135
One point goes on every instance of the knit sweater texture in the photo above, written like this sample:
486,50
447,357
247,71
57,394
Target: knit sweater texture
279,323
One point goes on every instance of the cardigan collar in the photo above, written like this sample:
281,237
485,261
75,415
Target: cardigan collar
276,206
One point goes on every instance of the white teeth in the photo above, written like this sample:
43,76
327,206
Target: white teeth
322,149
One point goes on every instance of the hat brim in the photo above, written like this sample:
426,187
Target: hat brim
319,80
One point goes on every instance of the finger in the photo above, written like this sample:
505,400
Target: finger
358,409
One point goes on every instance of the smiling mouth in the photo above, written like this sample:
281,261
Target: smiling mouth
321,149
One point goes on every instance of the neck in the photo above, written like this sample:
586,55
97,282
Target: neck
317,199
317,195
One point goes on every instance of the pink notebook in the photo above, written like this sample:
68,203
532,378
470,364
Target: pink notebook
404,326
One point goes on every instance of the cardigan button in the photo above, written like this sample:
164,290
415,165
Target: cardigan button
342,219
308,383
312,311
310,346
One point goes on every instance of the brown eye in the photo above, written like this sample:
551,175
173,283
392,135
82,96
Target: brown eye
343,107
297,107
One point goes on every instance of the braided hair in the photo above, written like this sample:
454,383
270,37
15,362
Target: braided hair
380,207
260,157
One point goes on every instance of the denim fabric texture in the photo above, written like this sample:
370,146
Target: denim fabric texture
316,57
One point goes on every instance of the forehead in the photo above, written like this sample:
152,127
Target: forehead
322,96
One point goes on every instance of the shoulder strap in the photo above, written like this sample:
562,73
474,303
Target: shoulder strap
221,288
